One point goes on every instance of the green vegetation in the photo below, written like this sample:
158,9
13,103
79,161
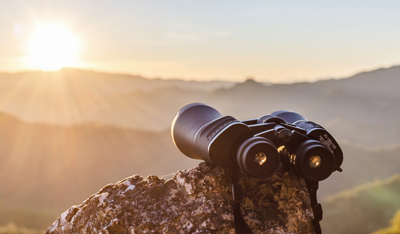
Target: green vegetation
364,209
394,228
11,228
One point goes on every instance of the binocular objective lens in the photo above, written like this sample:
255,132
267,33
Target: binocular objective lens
315,161
260,158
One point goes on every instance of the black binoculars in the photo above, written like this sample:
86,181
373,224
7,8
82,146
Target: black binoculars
257,146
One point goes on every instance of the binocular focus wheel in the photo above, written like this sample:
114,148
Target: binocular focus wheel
270,119
258,157
288,116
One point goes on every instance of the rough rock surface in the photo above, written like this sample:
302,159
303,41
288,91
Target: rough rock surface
196,200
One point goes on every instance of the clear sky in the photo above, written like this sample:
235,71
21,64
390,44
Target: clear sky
278,41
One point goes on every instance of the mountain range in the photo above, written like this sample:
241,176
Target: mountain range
65,134
356,108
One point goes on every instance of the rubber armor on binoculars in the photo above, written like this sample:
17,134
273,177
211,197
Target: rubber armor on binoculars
257,146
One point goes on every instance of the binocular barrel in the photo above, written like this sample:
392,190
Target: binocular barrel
186,125
256,147
201,132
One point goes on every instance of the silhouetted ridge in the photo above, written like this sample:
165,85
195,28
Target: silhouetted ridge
248,86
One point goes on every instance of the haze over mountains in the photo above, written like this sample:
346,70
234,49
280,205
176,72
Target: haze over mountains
71,96
65,134
365,103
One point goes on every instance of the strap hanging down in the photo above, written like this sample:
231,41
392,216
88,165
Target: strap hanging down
241,226
312,187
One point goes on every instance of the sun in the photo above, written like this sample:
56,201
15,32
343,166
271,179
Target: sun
52,47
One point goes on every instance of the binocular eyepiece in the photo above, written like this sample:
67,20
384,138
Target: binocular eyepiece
257,146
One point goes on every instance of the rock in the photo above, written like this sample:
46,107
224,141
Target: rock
196,200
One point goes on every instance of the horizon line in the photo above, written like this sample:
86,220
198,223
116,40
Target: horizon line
110,72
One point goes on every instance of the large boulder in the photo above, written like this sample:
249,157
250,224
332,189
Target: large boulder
196,200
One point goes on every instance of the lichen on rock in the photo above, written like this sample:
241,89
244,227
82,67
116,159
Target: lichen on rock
196,200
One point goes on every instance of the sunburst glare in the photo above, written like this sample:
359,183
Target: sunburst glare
52,47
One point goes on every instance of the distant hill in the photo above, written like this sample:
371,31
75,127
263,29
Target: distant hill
357,108
104,82
363,209
375,83
362,166
72,96
50,167
369,97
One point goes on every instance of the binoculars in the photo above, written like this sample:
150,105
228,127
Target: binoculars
257,147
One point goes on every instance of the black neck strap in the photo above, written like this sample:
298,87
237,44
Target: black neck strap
312,187
241,226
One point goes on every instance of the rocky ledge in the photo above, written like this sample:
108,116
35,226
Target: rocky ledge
196,200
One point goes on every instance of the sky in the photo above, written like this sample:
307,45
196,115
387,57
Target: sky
276,41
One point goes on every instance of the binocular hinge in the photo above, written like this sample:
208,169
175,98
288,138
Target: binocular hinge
312,187
241,226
